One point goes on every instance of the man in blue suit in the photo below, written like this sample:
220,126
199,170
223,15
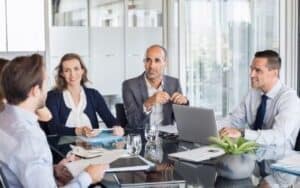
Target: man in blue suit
148,98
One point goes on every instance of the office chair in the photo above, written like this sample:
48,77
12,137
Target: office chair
297,145
3,181
45,127
121,116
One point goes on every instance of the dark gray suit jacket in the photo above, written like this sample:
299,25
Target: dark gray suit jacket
134,92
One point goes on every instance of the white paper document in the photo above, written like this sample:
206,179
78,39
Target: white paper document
199,154
107,157
171,129
87,153
290,164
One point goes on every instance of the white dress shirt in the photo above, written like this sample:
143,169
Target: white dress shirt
25,152
77,117
281,120
156,113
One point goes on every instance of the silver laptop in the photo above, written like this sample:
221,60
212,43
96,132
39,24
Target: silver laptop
195,124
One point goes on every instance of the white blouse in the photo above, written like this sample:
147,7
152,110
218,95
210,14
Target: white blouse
77,117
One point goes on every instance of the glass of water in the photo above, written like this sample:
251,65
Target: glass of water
154,152
151,132
134,144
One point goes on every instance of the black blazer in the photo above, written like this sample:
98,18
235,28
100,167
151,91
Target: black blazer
60,112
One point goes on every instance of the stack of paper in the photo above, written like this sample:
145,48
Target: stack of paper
199,154
87,153
289,164
76,167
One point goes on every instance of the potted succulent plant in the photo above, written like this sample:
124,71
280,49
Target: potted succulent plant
239,159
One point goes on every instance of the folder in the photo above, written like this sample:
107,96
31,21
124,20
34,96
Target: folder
288,164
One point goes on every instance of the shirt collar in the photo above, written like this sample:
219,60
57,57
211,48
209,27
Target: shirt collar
69,100
161,86
21,112
275,90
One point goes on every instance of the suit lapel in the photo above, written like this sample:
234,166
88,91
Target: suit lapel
166,107
143,87
166,87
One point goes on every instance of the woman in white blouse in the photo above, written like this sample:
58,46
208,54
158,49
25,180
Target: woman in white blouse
73,105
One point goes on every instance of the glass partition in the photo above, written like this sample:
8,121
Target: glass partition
106,13
221,38
143,13
69,13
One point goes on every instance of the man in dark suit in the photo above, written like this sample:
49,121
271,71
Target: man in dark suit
148,98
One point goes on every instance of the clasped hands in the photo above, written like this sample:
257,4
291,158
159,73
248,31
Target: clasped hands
162,97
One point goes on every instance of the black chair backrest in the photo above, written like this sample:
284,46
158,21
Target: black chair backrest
297,145
3,181
121,116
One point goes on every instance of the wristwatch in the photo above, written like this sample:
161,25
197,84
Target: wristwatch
242,132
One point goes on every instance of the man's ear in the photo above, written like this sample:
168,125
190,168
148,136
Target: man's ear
276,72
34,91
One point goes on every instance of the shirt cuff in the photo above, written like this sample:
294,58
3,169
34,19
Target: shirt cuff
84,179
251,135
271,181
146,111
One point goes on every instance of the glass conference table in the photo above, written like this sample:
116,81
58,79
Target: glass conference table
170,172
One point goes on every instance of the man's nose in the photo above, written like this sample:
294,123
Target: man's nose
151,63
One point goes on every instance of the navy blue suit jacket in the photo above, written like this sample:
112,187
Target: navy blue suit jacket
60,112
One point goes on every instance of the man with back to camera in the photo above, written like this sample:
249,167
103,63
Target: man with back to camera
269,114
25,157
148,98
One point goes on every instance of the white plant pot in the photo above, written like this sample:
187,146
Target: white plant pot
236,166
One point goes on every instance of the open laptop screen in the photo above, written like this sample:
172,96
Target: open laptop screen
195,124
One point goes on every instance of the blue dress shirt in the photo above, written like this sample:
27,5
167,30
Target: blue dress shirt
25,152
281,121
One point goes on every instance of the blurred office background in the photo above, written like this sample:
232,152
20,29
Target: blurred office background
210,42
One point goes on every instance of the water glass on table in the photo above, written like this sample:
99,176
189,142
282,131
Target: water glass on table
133,144
151,132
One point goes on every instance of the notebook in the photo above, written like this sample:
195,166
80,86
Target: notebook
199,154
289,164
104,137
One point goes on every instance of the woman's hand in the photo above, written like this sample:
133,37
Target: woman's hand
85,131
118,130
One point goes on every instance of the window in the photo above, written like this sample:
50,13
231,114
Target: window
2,26
106,13
221,38
69,13
143,13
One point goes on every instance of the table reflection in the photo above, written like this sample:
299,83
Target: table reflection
195,174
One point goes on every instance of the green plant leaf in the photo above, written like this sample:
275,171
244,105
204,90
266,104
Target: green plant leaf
234,146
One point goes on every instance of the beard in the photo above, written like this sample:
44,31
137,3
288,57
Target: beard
41,103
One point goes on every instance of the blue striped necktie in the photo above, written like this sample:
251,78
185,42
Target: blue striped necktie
260,114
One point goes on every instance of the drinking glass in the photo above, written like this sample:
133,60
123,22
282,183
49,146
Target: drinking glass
134,144
151,132
154,152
